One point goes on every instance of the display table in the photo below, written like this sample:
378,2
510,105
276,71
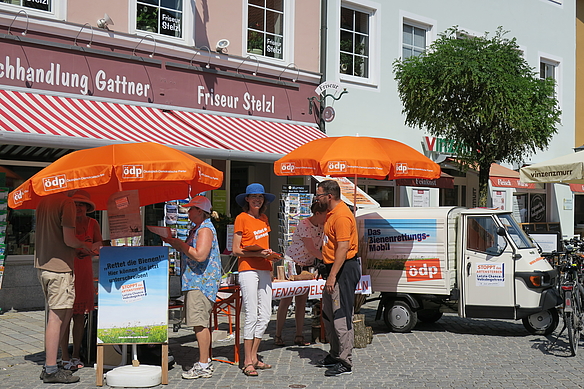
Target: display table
283,289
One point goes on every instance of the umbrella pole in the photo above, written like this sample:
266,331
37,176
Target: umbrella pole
355,197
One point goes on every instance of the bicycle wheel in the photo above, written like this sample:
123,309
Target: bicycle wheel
569,322
577,318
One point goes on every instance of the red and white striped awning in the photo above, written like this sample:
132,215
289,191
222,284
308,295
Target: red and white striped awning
31,113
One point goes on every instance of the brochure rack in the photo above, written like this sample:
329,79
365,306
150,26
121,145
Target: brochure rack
177,218
295,204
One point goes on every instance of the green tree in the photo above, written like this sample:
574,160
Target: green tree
480,93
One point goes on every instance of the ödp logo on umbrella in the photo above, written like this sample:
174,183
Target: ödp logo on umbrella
337,166
133,171
55,182
17,196
401,168
287,167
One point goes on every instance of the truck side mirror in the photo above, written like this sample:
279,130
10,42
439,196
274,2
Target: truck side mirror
501,231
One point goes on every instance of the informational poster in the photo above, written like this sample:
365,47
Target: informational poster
547,242
229,244
219,201
420,198
133,295
537,209
498,198
124,214
490,274
348,192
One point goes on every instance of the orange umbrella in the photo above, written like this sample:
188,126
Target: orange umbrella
160,173
357,156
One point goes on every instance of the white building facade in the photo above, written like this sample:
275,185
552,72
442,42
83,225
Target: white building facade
384,31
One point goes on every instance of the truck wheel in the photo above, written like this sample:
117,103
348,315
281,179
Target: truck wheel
429,315
399,316
542,323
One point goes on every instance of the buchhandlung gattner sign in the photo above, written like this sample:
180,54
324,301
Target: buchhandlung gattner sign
133,295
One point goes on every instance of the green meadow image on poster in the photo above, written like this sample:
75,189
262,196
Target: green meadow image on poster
133,295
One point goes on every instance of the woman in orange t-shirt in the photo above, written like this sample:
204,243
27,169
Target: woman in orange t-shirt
255,271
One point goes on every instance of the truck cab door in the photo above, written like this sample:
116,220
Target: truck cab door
487,271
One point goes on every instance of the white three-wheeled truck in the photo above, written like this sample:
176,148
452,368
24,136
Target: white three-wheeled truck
478,262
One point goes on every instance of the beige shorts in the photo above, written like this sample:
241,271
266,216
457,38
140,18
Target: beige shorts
197,309
59,288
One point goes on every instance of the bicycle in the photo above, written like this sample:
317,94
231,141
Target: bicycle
571,292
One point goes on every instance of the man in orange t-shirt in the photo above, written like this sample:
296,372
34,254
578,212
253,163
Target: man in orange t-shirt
339,252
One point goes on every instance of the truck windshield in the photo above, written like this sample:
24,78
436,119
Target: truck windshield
515,232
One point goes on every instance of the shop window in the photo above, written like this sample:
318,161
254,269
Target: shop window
354,42
265,28
164,17
40,5
384,195
448,196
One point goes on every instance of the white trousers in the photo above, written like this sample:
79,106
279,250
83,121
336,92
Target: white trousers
256,295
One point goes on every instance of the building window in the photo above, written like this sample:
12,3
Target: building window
41,5
163,17
354,43
547,70
413,40
265,28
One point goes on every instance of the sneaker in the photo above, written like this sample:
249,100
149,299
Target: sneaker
61,377
197,372
338,369
44,372
327,361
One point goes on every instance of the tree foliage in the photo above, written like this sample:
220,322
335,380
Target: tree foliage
482,94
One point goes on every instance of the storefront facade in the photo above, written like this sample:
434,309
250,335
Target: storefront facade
65,85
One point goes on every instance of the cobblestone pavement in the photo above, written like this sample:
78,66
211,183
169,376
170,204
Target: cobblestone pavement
451,353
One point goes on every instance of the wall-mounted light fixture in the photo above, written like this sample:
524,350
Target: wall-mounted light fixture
105,22
293,67
15,16
198,51
257,64
146,36
90,39
222,45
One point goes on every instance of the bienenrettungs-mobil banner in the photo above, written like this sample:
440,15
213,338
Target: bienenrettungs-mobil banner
133,295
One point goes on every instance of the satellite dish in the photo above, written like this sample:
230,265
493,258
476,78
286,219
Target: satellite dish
328,114
105,21
222,45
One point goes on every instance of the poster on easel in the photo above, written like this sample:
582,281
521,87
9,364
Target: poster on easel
133,295
124,215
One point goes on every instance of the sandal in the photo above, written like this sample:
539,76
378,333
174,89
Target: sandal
250,372
262,366
278,341
68,365
77,362
299,341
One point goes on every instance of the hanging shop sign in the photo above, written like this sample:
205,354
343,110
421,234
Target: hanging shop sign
508,182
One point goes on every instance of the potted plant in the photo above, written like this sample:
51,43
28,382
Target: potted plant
255,43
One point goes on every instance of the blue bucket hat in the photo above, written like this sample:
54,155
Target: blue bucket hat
254,189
